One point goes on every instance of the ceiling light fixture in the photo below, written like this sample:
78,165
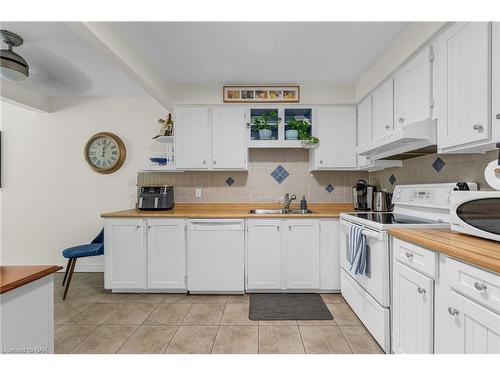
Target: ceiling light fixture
12,66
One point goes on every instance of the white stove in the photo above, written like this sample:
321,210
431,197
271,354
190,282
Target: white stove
369,294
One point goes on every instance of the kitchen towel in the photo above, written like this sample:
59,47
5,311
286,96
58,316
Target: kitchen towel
357,249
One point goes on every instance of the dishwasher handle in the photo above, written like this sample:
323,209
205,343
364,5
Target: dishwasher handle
216,225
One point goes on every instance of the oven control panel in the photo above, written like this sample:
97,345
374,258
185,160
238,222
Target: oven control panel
430,195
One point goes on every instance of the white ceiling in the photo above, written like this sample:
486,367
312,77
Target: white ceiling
63,64
328,53
275,52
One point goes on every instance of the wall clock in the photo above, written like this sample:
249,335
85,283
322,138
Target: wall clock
105,152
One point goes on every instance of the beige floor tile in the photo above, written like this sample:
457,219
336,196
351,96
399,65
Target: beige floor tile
211,298
180,298
66,337
132,313
168,314
147,297
323,340
105,339
236,314
193,340
343,314
280,340
277,322
116,298
149,339
236,340
316,322
204,315
241,298
64,311
96,313
83,294
360,340
333,298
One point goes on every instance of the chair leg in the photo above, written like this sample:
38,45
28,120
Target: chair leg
70,260
70,275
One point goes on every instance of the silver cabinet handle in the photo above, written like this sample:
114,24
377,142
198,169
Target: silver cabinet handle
478,127
289,227
421,290
401,119
215,162
409,255
277,228
479,286
149,227
388,127
204,162
137,227
498,116
321,161
452,311
248,124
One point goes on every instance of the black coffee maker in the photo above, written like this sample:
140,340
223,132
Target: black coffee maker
362,195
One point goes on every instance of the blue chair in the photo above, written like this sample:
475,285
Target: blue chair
96,247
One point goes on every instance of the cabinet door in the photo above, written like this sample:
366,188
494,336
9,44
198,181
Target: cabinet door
336,129
302,254
166,240
124,254
413,306
462,79
465,327
495,70
264,260
383,109
412,90
229,138
365,124
330,254
192,138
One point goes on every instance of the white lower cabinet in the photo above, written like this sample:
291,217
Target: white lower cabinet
145,254
412,311
285,255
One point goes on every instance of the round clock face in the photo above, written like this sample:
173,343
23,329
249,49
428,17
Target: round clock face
105,152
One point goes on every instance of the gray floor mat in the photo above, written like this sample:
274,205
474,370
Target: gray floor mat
293,306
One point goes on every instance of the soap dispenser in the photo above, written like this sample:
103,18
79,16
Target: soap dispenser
303,203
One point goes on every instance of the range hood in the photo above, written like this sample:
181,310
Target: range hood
408,141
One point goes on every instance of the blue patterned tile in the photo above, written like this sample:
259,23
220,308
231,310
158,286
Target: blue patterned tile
438,164
280,174
392,179
229,181
329,188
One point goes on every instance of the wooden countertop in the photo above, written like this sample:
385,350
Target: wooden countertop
478,251
12,277
233,211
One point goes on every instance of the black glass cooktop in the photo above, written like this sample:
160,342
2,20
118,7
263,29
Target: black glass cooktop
390,218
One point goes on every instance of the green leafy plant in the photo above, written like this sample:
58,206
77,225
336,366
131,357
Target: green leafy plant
265,121
302,126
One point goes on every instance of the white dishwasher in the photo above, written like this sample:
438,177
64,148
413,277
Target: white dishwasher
216,256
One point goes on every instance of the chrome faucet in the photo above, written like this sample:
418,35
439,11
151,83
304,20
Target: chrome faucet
288,200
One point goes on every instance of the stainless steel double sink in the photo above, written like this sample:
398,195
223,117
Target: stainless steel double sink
280,212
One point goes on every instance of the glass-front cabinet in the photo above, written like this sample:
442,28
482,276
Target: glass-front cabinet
278,126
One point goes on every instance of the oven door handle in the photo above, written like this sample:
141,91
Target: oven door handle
366,232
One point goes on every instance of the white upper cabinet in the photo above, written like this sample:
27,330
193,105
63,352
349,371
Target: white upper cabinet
383,109
336,129
302,254
229,134
462,80
412,90
365,124
192,138
495,70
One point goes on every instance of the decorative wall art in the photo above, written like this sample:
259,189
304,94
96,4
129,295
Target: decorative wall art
261,94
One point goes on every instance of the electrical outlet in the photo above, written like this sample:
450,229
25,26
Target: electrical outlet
197,193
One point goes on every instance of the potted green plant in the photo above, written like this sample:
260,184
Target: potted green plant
299,129
264,124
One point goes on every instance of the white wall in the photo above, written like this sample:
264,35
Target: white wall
401,49
51,199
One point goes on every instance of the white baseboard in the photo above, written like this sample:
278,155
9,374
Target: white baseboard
86,268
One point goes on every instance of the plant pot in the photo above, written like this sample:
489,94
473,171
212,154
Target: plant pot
291,134
265,134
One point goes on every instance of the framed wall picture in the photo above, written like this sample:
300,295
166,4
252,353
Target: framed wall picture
261,94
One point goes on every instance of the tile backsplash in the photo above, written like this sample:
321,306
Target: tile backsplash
271,174
435,169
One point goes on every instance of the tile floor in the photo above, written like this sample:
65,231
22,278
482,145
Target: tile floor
92,320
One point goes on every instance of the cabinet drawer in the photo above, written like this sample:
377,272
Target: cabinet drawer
416,257
480,285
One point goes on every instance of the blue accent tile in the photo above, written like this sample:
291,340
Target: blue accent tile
229,181
392,179
280,174
329,188
438,164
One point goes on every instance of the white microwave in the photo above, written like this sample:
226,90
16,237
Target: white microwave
476,213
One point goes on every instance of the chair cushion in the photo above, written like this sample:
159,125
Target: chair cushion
81,251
